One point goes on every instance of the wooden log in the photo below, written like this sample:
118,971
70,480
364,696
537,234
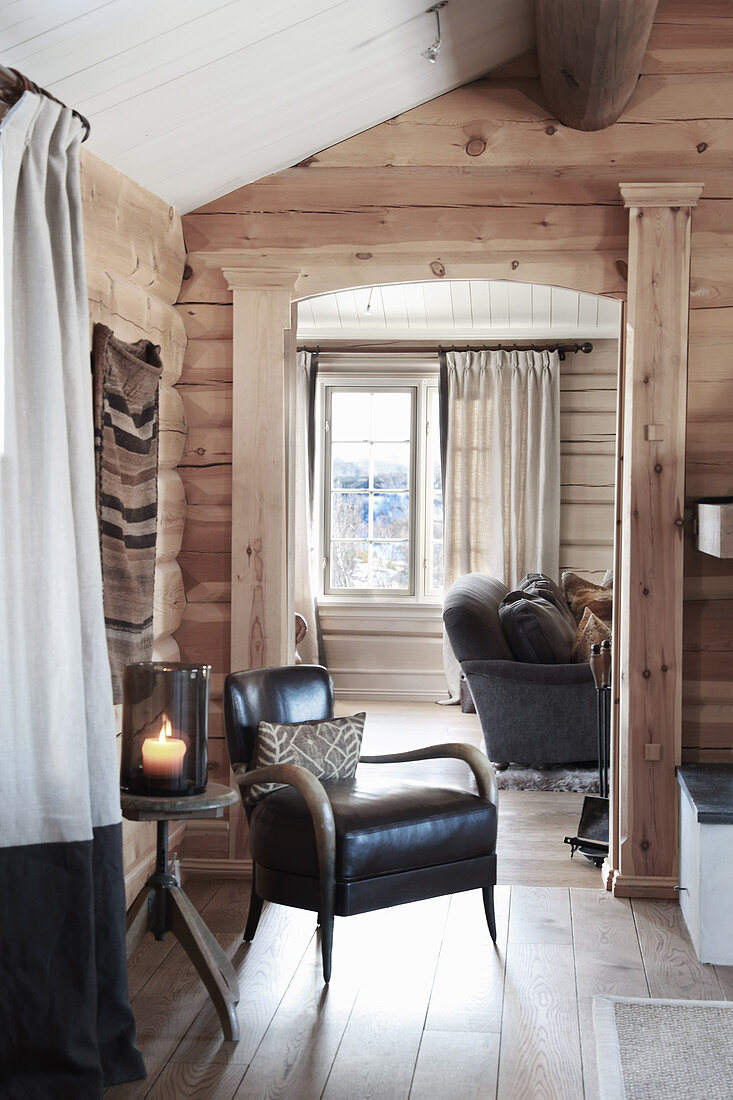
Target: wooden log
590,54
172,429
207,484
708,625
203,635
169,600
690,48
600,271
207,361
209,322
129,231
208,529
135,314
206,577
166,649
207,447
414,230
171,516
207,406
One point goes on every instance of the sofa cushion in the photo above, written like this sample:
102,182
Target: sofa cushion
383,826
591,630
581,593
536,630
541,585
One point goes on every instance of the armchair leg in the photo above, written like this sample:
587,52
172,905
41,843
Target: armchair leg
326,947
488,893
325,911
255,911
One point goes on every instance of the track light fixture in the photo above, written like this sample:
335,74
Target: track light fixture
431,53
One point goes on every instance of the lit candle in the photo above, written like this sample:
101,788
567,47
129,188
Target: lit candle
163,756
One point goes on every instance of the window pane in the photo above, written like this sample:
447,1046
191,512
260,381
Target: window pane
391,416
350,515
437,577
349,565
350,415
437,516
391,465
390,515
350,465
434,456
390,567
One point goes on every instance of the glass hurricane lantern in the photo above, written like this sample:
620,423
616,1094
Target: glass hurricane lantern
165,728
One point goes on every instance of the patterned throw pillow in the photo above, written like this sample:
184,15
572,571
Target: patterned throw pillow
328,748
581,593
591,629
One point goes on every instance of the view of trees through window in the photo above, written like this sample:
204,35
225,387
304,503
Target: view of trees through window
372,503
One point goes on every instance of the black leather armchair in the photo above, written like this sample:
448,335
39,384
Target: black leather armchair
350,846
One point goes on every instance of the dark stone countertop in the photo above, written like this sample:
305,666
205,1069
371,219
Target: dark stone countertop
710,788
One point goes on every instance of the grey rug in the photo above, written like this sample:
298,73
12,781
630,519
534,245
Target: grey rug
663,1050
556,778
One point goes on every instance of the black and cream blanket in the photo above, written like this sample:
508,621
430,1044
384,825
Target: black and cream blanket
126,378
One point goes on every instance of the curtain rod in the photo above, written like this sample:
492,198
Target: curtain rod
562,349
13,84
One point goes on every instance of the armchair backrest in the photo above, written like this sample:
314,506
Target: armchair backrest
291,693
471,617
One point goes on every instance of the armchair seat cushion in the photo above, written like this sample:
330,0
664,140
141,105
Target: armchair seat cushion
383,826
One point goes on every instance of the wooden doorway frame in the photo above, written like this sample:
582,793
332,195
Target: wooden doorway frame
648,668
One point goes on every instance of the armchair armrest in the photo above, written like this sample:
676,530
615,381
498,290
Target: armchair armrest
479,764
319,808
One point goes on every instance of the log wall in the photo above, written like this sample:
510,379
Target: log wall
135,258
484,183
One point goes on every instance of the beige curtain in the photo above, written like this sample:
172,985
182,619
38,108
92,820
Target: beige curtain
501,456
304,541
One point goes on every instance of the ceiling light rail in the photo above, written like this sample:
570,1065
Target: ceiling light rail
13,84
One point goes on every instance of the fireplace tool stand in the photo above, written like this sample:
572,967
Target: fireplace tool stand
592,836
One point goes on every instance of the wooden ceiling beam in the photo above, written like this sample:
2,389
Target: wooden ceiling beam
590,54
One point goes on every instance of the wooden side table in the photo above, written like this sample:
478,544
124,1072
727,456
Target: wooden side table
162,906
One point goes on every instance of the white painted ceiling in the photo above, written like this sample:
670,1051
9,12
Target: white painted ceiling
457,309
194,98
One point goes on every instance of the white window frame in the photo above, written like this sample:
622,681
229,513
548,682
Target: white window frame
376,373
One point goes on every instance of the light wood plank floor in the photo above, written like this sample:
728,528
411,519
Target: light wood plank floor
421,1005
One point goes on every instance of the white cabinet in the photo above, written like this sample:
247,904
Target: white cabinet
706,859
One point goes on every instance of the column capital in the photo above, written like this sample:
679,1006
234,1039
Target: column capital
660,194
260,278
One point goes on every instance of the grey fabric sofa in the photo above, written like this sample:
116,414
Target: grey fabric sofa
529,713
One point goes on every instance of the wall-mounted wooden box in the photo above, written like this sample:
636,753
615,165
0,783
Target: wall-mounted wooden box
714,526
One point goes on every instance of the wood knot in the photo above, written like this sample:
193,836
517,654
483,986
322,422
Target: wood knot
644,845
475,146
702,147
645,591
515,265
646,674
679,522
364,255
569,78
664,668
437,268
187,272
200,450
658,468
249,551
551,130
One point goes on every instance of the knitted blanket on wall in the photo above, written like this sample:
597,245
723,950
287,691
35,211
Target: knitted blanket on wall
126,378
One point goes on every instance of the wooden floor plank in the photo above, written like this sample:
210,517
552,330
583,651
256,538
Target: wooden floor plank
265,968
530,845
607,960
196,1081
468,989
455,1063
672,968
294,1059
724,974
540,1042
380,1045
540,914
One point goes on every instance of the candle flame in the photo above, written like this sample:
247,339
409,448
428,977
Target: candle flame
166,732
